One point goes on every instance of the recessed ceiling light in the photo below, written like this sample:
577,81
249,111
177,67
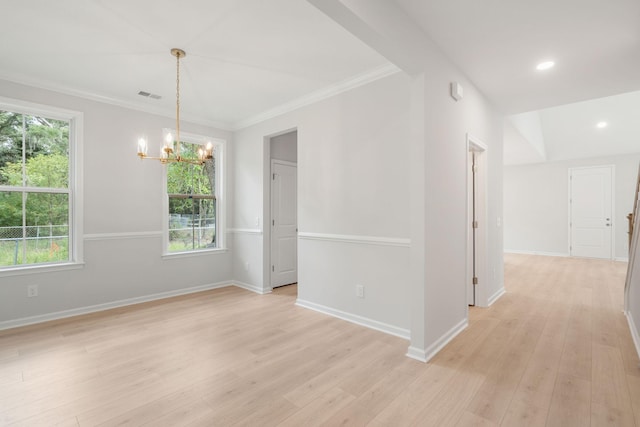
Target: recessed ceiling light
602,125
545,65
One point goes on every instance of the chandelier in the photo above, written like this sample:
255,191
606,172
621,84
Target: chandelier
170,152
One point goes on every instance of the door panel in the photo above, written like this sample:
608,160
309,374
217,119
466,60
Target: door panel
591,212
284,233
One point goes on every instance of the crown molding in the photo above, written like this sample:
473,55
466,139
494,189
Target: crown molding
313,97
144,108
319,95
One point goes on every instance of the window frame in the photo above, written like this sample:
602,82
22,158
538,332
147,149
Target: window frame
220,167
75,187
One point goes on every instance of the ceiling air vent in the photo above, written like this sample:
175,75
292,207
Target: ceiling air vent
149,95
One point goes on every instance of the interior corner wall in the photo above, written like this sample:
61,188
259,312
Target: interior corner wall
536,197
353,202
122,221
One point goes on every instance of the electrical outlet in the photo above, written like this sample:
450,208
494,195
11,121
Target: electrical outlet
246,266
360,291
32,291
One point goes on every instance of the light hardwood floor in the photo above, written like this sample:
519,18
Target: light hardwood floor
555,350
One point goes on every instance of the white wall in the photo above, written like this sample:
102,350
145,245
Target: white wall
437,169
536,204
122,219
447,124
353,202
355,159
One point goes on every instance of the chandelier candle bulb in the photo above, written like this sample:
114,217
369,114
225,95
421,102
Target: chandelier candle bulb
142,147
168,143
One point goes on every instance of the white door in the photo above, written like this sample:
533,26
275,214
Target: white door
590,204
284,223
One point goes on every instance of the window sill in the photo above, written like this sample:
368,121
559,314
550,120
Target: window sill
189,254
40,269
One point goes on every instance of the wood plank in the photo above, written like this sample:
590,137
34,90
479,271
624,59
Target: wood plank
555,350
570,403
610,400
320,409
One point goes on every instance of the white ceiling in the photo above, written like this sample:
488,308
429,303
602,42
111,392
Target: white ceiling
244,57
247,58
595,45
570,132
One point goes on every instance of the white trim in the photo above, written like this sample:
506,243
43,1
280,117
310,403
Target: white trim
493,298
417,354
252,288
476,294
283,162
107,306
424,355
343,238
634,331
195,252
256,231
121,236
40,269
555,254
353,318
319,95
621,259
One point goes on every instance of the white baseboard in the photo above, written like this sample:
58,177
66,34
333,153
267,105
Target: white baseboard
418,354
634,331
556,254
424,355
353,318
621,259
493,298
252,288
8,324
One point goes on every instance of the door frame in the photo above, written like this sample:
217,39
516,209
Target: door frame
612,169
481,243
266,207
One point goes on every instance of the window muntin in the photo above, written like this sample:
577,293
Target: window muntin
193,192
35,187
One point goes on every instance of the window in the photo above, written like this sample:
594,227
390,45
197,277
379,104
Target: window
37,192
193,199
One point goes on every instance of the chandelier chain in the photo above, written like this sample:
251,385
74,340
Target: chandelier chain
178,104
